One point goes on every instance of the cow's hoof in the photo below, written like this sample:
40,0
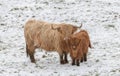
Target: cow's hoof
66,61
33,61
62,62
73,63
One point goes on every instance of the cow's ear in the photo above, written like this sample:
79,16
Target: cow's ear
59,29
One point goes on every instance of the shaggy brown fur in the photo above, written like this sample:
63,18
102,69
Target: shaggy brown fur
78,46
40,34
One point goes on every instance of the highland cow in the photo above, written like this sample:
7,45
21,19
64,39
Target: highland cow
47,36
78,46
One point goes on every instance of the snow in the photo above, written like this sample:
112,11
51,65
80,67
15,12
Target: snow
101,18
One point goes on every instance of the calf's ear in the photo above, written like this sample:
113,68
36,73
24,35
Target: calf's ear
77,41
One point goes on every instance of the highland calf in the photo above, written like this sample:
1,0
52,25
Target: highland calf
47,36
78,45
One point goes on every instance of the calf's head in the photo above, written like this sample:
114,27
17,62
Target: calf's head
73,45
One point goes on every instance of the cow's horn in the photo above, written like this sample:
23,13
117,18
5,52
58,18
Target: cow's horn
80,26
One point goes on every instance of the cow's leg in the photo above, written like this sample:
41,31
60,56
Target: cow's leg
85,57
31,54
61,57
65,57
73,61
78,62
32,57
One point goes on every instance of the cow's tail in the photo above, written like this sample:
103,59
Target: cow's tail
27,50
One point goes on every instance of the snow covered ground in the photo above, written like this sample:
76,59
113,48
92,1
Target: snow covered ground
101,18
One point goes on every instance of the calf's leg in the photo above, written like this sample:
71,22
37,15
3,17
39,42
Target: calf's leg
77,62
85,57
81,59
73,61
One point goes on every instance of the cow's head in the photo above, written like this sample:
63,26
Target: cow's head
66,29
